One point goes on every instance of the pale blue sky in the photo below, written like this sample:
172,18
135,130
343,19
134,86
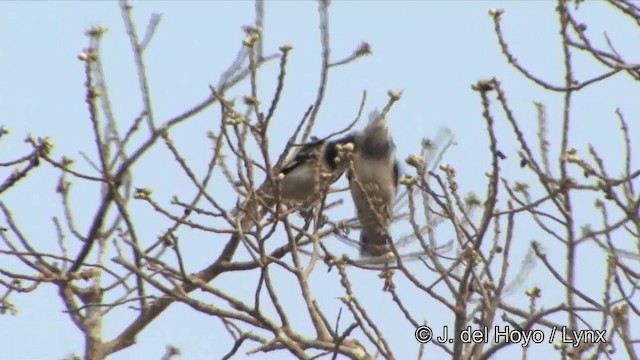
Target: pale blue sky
431,50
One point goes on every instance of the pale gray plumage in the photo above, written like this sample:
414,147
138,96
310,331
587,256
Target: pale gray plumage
375,170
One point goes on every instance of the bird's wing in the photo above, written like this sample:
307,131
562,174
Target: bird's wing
396,172
305,154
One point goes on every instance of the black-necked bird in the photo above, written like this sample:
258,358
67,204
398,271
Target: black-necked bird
373,181
301,180
313,168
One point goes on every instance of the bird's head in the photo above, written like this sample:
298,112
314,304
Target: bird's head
376,138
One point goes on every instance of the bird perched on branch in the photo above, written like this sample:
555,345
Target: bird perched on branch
310,172
373,181
301,180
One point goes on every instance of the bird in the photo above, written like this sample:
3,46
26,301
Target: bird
312,169
373,183
301,180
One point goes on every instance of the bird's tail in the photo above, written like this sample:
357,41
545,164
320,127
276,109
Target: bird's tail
374,243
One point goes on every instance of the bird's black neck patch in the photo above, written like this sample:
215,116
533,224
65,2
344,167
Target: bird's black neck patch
331,152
